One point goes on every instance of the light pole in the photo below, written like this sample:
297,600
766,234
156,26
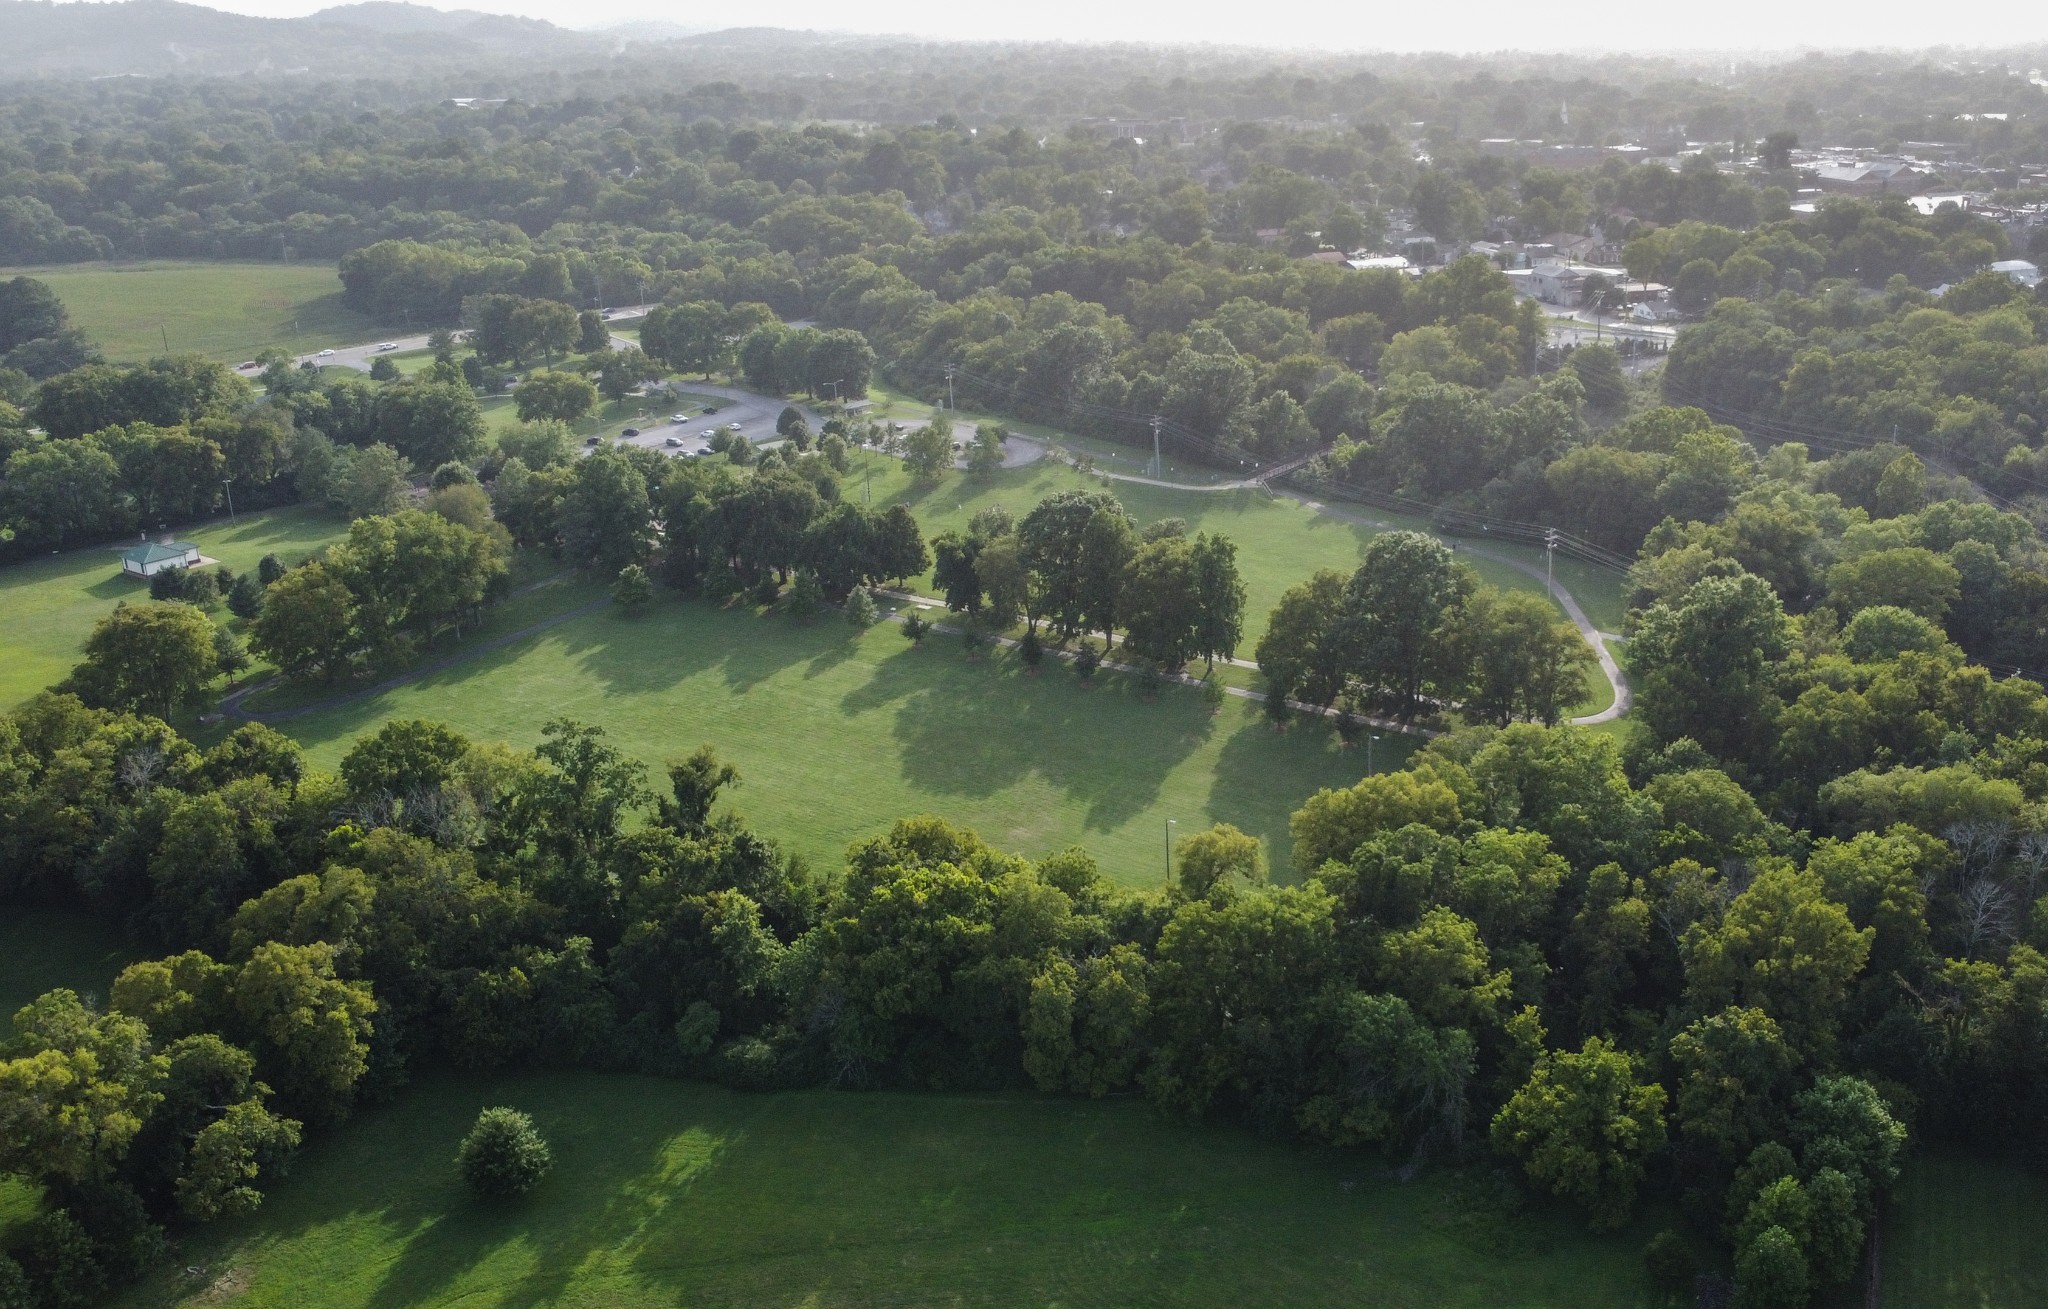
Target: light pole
1370,739
1169,849
229,483
1549,552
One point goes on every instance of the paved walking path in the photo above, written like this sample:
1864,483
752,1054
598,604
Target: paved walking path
1594,637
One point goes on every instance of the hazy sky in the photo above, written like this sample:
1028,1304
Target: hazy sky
1327,24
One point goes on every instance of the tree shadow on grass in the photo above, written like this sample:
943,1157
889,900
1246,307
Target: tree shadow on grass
986,727
119,586
1263,775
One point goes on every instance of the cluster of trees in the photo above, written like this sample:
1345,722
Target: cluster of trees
1412,631
37,339
1615,971
1960,378
1078,563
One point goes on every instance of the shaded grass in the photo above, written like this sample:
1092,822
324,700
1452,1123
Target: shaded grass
226,311
1966,1233
840,732
51,604
669,1193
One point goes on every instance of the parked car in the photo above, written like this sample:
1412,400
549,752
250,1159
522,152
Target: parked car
710,409
631,431
323,354
679,418
592,440
674,440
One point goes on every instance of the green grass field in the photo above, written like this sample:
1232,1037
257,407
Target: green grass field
668,1193
51,604
838,732
1966,1233
226,311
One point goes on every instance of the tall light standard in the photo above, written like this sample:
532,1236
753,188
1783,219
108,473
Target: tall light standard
229,483
1371,738
1169,849
1549,554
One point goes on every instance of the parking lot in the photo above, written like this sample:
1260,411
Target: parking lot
756,415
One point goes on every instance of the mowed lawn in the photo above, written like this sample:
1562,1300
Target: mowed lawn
50,605
668,1193
224,310
840,732
1966,1232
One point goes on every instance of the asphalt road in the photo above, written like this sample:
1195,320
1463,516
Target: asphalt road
358,357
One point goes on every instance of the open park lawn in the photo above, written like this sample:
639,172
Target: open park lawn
1965,1232
838,732
50,605
225,311
669,1193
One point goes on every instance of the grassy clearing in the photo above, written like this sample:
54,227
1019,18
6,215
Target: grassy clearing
1965,1233
51,604
668,1193
226,311
840,732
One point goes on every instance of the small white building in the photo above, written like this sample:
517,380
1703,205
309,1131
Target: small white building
151,557
2025,272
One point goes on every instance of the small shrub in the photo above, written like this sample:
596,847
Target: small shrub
167,584
805,595
503,1156
1031,649
748,1064
632,591
861,609
230,652
452,473
245,598
971,638
915,626
1087,659
61,1264
383,370
1669,1260
269,568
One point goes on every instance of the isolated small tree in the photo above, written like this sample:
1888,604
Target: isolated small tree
229,651
914,628
383,370
632,591
985,458
269,568
805,595
503,1156
245,597
591,333
928,451
167,584
1031,649
1087,658
787,419
861,610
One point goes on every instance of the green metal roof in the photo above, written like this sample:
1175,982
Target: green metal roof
153,553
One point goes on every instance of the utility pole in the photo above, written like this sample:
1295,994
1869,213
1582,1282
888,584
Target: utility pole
165,334
1158,468
1549,551
949,388
229,483
1169,849
1370,738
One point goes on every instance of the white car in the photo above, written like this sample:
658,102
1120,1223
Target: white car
388,345
679,418
323,354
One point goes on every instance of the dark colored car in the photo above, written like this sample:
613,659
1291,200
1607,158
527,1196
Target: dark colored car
593,440
631,431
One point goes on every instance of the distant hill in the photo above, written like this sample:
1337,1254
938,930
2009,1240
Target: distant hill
157,37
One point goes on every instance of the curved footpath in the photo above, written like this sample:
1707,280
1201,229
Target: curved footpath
1594,637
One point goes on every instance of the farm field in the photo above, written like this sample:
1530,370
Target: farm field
223,310
51,604
668,1193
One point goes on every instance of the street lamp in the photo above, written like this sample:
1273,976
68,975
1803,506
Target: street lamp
1370,739
1169,849
229,483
